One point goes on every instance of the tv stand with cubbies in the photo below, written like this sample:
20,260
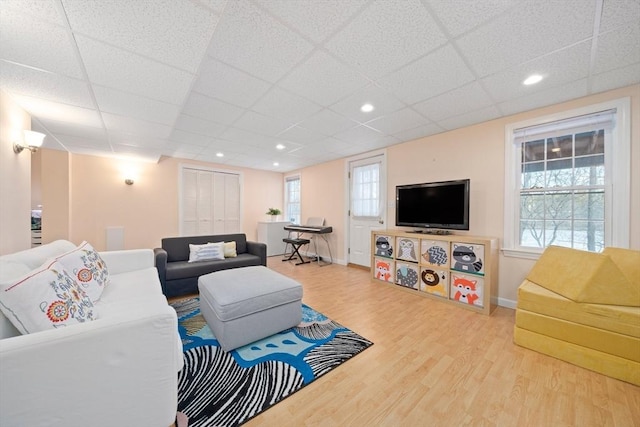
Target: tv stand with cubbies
452,268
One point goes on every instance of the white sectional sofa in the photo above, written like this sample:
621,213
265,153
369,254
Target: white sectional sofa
118,370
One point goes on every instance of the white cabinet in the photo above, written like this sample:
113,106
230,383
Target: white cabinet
271,233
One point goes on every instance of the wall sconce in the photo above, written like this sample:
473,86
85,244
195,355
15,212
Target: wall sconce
128,181
31,141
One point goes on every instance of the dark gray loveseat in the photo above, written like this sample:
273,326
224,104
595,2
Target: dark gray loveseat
179,277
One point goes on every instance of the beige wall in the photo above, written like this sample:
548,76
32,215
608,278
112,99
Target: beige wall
148,209
475,152
15,179
55,170
322,190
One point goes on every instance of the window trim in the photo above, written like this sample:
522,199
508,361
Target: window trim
291,177
617,196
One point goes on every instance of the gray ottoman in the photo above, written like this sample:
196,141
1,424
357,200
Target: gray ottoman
243,305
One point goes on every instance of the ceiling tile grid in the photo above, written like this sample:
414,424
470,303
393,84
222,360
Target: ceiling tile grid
195,78
45,46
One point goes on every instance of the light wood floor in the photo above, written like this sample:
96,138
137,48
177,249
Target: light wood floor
433,364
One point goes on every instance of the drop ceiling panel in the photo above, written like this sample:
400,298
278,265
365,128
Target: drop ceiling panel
460,16
612,79
261,124
511,38
121,138
211,109
327,122
458,101
419,132
301,135
126,104
215,5
473,117
221,81
398,121
80,131
429,76
618,49
44,85
284,105
323,79
557,68
382,100
316,20
42,10
240,137
196,125
43,109
554,95
72,142
45,46
250,39
117,123
386,36
181,136
619,13
359,135
174,33
119,69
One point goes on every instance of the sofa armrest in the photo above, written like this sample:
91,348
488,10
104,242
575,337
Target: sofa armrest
161,265
129,362
259,249
127,260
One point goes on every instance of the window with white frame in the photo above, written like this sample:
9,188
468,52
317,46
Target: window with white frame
365,190
568,180
292,199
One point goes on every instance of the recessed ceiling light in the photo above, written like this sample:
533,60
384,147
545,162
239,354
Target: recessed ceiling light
532,79
276,164
280,147
366,108
219,155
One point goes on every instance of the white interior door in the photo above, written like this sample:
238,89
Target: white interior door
367,206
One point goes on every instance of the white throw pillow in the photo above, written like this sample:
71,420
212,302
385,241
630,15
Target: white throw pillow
206,252
47,298
230,249
88,268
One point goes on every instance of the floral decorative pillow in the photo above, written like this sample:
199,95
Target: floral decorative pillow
208,251
88,268
46,299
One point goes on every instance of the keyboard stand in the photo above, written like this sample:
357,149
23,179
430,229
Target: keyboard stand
296,244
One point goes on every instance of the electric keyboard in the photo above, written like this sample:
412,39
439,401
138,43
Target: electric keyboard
309,229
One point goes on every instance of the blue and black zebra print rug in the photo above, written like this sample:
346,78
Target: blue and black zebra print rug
216,388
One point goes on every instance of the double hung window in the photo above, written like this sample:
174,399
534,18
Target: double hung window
568,181
292,199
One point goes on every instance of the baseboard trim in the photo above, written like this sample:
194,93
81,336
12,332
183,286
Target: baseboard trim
503,302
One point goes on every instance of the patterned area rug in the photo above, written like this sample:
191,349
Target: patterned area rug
216,388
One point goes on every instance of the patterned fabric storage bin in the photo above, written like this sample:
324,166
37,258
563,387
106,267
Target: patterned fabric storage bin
407,274
407,248
467,258
467,289
384,246
434,281
384,269
434,253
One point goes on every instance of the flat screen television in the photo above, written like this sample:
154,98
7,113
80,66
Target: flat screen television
434,205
